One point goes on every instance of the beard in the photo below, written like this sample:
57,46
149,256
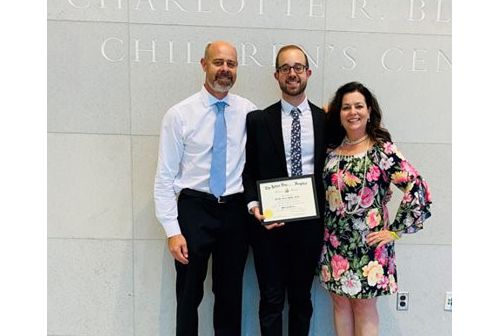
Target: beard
293,91
223,82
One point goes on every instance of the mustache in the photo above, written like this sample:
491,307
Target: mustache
293,79
224,75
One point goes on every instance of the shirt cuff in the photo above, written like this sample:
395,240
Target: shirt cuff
251,205
172,229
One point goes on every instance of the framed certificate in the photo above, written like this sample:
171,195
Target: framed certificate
288,199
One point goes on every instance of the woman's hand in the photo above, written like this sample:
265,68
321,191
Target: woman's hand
381,237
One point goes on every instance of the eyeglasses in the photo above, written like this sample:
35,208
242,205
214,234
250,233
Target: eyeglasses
297,67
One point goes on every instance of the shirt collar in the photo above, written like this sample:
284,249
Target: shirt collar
286,107
209,100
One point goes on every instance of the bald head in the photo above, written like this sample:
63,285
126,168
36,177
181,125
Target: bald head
212,46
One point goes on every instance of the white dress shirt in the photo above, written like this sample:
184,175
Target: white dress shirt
306,139
185,151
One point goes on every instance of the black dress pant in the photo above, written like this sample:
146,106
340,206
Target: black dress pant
219,230
285,262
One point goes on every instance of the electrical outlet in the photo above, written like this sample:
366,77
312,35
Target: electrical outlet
447,301
403,299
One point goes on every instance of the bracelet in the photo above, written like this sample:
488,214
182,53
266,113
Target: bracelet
394,235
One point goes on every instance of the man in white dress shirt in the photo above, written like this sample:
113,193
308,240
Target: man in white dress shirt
200,161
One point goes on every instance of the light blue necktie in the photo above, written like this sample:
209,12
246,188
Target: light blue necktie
218,169
295,147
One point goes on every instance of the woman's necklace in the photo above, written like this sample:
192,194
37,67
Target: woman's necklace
365,157
346,140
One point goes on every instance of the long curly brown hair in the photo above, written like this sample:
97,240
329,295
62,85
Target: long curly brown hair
335,132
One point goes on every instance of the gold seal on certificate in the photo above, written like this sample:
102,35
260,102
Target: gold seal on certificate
288,199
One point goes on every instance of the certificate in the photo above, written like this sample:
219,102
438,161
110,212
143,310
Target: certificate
288,199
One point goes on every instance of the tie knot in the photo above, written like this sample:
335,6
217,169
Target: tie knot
295,112
220,106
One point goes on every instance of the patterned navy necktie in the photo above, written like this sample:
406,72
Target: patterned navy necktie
295,148
217,182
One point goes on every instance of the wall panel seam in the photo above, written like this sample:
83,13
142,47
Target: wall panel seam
254,28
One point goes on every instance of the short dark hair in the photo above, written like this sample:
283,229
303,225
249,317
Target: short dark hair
336,132
288,47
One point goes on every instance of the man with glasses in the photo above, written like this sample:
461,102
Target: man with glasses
285,139
201,159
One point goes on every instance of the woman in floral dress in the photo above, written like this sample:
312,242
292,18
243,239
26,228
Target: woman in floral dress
358,262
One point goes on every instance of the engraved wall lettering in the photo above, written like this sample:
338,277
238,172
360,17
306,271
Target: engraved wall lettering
242,5
311,59
170,52
251,55
176,3
396,59
349,57
200,9
393,64
417,11
152,50
79,3
106,52
118,2
391,59
139,2
420,9
288,8
346,56
362,9
188,53
418,63
439,13
442,55
319,6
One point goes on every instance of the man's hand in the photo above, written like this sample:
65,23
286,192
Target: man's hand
178,248
256,213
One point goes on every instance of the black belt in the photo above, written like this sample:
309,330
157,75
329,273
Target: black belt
210,197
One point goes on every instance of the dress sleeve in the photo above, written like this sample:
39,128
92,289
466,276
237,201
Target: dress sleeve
415,205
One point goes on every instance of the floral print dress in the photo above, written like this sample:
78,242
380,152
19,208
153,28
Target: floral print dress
357,192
